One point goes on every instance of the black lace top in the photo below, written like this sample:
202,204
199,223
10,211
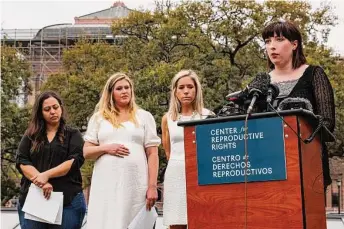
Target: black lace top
315,86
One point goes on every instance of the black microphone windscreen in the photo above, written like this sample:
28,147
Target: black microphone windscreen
275,90
295,103
261,82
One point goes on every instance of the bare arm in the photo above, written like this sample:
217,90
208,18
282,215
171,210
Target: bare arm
165,136
153,167
61,170
92,151
29,171
58,171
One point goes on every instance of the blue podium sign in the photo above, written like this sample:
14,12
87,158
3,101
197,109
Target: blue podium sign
221,151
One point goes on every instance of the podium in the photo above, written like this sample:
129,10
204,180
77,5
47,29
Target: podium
288,196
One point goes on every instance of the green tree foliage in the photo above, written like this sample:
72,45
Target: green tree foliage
15,75
87,66
220,40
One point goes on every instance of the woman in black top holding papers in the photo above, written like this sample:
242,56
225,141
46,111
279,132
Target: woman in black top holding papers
50,156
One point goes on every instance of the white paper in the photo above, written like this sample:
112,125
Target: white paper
58,220
144,219
37,208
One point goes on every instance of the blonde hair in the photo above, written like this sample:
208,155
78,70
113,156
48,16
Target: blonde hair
175,106
107,105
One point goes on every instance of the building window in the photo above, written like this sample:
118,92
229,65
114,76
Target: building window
335,200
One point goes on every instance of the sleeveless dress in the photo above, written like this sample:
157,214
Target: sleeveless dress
119,185
174,208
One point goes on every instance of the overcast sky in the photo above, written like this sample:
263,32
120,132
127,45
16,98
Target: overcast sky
28,14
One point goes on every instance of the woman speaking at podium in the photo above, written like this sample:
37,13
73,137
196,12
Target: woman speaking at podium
186,103
296,79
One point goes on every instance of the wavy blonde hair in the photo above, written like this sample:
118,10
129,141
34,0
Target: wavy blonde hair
175,106
107,105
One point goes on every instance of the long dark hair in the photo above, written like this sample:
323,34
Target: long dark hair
292,33
36,130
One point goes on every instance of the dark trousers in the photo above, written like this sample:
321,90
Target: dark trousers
72,216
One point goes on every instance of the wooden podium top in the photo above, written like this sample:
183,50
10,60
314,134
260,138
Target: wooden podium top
308,115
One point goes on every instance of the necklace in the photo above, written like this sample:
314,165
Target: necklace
193,115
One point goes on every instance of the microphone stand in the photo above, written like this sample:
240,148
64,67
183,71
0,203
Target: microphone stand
256,94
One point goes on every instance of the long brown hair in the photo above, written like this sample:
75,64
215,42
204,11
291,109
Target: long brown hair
36,130
288,30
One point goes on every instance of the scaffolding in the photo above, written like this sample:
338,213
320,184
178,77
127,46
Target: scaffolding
43,48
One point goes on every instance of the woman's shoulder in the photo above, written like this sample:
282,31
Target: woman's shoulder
318,69
141,111
312,71
145,117
71,129
96,117
167,117
206,112
26,138
144,114
71,132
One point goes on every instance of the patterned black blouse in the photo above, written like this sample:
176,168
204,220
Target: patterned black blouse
315,86
50,155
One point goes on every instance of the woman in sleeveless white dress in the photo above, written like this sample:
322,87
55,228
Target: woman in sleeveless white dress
125,172
186,104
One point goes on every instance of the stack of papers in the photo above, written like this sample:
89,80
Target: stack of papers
144,219
37,208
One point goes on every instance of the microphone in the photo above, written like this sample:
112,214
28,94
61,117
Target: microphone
259,86
298,103
295,103
229,109
233,95
237,94
273,92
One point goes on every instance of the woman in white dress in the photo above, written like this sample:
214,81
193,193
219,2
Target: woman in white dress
122,138
186,103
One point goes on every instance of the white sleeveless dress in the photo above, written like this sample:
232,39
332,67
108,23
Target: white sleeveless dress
174,208
119,185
